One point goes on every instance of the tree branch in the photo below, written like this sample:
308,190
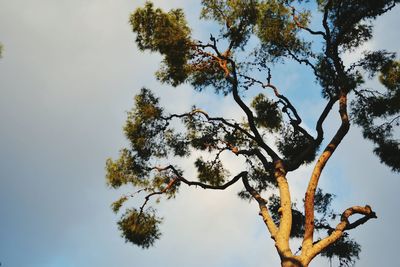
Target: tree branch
305,61
264,212
231,76
341,227
332,53
319,166
298,24
235,125
200,184
147,198
294,164
249,113
285,101
285,210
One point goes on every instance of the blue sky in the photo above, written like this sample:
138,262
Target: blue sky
67,77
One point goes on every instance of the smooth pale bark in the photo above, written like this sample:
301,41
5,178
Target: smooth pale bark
291,263
285,212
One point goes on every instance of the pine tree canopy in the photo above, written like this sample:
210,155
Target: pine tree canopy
271,140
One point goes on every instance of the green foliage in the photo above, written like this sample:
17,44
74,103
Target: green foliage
326,74
236,17
210,172
323,211
349,24
140,228
374,61
298,218
350,21
159,182
150,139
328,79
323,202
237,138
126,169
177,143
144,125
148,131
292,143
261,178
372,107
276,29
345,249
390,76
268,114
270,21
208,74
202,135
166,33
116,206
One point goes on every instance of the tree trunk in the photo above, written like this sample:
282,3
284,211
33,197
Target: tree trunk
292,263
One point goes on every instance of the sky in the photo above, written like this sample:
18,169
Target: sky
68,75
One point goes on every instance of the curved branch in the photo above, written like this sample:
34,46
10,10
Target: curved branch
298,24
256,152
147,198
294,164
324,114
180,178
231,76
325,21
285,101
319,166
264,212
288,104
343,226
249,113
305,61
235,125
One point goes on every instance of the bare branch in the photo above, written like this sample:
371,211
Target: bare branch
294,122
285,101
319,166
325,21
298,24
234,125
264,212
180,178
257,153
285,210
202,185
291,166
305,61
343,226
249,113
147,198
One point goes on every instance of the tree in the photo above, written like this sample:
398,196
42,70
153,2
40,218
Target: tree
271,140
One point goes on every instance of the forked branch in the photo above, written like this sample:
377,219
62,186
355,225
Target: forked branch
318,168
341,227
